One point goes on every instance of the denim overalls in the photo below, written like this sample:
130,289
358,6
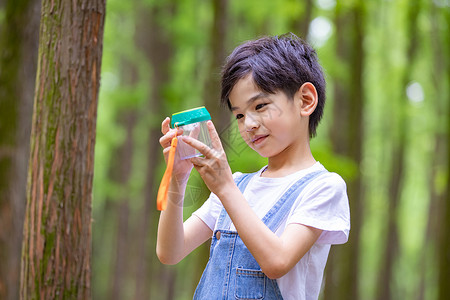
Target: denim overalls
232,272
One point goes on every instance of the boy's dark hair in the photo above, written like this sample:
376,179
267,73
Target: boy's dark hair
279,63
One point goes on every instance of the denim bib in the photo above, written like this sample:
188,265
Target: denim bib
232,272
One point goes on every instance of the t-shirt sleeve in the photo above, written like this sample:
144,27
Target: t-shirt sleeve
210,210
324,205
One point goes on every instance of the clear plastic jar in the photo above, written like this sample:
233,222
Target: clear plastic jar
193,124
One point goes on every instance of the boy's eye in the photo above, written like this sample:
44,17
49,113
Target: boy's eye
259,106
239,116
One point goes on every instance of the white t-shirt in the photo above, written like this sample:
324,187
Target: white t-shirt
322,204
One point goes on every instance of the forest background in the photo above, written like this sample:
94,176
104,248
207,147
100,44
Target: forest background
385,130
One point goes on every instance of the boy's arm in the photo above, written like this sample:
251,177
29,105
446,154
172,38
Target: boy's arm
176,239
275,255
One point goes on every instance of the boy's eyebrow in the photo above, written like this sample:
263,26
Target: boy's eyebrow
251,100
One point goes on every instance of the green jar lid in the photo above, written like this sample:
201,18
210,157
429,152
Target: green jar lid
190,116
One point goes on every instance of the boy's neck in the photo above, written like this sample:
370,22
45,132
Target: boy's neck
290,162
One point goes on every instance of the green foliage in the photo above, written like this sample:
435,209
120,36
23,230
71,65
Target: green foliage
2,17
386,108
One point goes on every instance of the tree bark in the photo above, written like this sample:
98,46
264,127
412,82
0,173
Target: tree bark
18,62
56,254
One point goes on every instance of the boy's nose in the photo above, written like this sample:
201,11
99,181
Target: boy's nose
251,123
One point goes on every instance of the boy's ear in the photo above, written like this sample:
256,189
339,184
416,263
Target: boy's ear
307,94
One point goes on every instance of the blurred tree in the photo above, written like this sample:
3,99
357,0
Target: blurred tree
56,254
218,37
444,238
300,24
441,43
154,40
347,139
217,48
396,180
18,62
120,173
178,64
113,205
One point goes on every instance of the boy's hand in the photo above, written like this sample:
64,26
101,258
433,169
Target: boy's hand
181,168
213,167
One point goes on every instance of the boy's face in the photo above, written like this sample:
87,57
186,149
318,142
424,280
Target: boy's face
269,123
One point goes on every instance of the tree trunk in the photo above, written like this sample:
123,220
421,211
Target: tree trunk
355,187
121,169
342,280
442,82
339,141
218,39
435,217
155,42
444,237
385,278
56,254
219,115
429,260
18,62
301,23
444,241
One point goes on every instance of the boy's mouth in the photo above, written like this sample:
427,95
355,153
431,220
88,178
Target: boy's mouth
257,139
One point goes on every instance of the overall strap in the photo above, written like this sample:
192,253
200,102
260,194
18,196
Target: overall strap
282,207
223,222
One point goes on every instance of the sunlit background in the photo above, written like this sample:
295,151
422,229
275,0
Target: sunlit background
385,130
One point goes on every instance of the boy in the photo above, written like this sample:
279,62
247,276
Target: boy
271,230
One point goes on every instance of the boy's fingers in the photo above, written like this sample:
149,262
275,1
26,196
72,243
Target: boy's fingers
215,139
202,148
165,140
197,161
165,125
166,150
